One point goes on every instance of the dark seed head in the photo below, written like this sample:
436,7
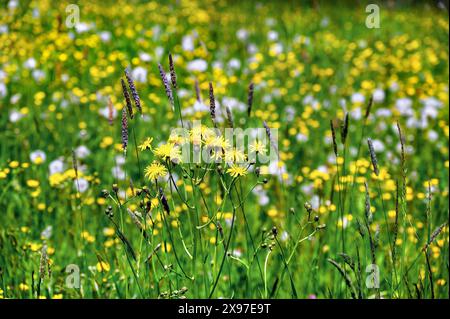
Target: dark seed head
173,76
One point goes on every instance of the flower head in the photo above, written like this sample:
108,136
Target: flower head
155,170
168,151
258,147
237,170
147,144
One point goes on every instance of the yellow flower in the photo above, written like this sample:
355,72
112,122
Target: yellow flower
14,164
103,266
146,145
168,151
108,231
237,170
155,170
32,183
24,287
258,147
234,155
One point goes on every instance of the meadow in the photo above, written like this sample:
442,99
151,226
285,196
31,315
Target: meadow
97,197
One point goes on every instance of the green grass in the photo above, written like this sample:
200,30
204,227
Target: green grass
310,232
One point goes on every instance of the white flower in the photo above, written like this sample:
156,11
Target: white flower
404,106
82,151
139,74
145,57
37,155
432,136
12,4
356,113
394,87
430,111
3,29
15,116
378,146
159,51
30,63
15,98
263,200
47,232
105,112
187,43
200,107
3,90
301,137
120,159
378,95
252,48
82,27
431,102
56,166
290,113
357,98
234,64
105,36
81,185
233,103
315,202
38,75
118,173
383,112
272,35
242,34
198,65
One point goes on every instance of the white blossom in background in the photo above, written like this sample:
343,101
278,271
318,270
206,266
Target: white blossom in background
187,43
379,96
404,106
82,152
15,116
82,27
13,4
145,57
197,65
242,34
38,155
81,184
139,74
119,159
356,113
272,35
56,166
378,146
4,29
234,64
105,112
47,232
15,98
357,98
432,136
3,90
30,63
105,36
38,75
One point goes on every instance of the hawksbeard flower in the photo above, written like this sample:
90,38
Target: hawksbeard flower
146,145
155,170
168,151
237,170
258,147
